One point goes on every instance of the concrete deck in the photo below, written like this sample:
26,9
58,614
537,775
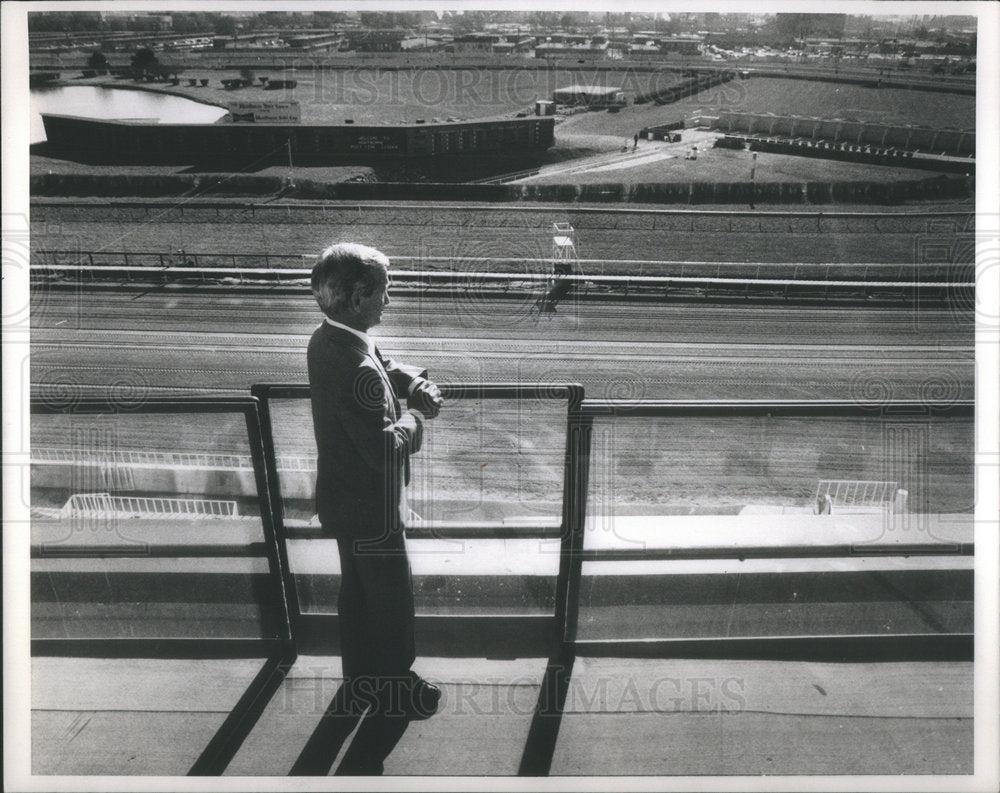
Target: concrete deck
621,717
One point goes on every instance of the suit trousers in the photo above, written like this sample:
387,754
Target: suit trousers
375,607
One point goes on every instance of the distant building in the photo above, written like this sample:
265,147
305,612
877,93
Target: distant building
589,96
683,45
314,41
424,43
514,44
646,50
136,142
646,47
569,46
383,40
475,42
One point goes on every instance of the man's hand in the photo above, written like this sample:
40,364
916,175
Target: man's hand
426,398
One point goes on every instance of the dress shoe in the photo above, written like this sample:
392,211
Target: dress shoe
423,698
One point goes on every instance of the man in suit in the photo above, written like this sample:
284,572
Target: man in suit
365,439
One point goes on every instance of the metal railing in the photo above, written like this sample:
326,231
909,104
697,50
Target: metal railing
580,418
276,647
52,455
856,492
271,549
106,505
717,280
499,268
560,627
816,548
573,494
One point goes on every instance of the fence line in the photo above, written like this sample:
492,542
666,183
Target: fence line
856,492
106,505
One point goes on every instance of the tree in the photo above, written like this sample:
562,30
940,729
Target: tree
327,19
61,22
145,60
793,28
225,26
468,21
97,61
570,22
543,20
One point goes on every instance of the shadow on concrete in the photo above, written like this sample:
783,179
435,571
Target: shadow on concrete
540,746
323,746
375,739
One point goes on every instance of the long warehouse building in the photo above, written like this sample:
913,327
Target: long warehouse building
147,141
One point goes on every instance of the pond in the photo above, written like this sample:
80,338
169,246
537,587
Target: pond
97,102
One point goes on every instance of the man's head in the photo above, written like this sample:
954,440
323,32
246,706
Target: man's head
351,284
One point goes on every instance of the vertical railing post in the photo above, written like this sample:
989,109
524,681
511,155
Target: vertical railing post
262,452
577,470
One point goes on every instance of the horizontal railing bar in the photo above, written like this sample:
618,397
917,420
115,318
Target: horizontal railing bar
227,551
554,391
209,647
451,276
150,404
465,531
47,201
741,552
522,531
509,616
884,647
479,259
667,408
596,407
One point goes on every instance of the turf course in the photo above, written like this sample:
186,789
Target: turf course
465,234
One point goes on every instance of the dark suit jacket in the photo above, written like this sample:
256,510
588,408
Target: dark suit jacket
363,437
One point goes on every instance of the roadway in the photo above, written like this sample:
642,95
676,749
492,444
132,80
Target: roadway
169,339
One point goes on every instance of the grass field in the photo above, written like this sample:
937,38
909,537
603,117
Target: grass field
786,97
656,162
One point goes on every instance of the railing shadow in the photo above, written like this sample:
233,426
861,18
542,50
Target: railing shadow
373,742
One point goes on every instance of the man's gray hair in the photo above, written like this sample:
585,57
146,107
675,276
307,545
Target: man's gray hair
343,269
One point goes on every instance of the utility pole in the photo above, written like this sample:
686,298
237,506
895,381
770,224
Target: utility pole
753,170
288,143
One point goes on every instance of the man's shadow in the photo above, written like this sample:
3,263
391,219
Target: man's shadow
375,739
